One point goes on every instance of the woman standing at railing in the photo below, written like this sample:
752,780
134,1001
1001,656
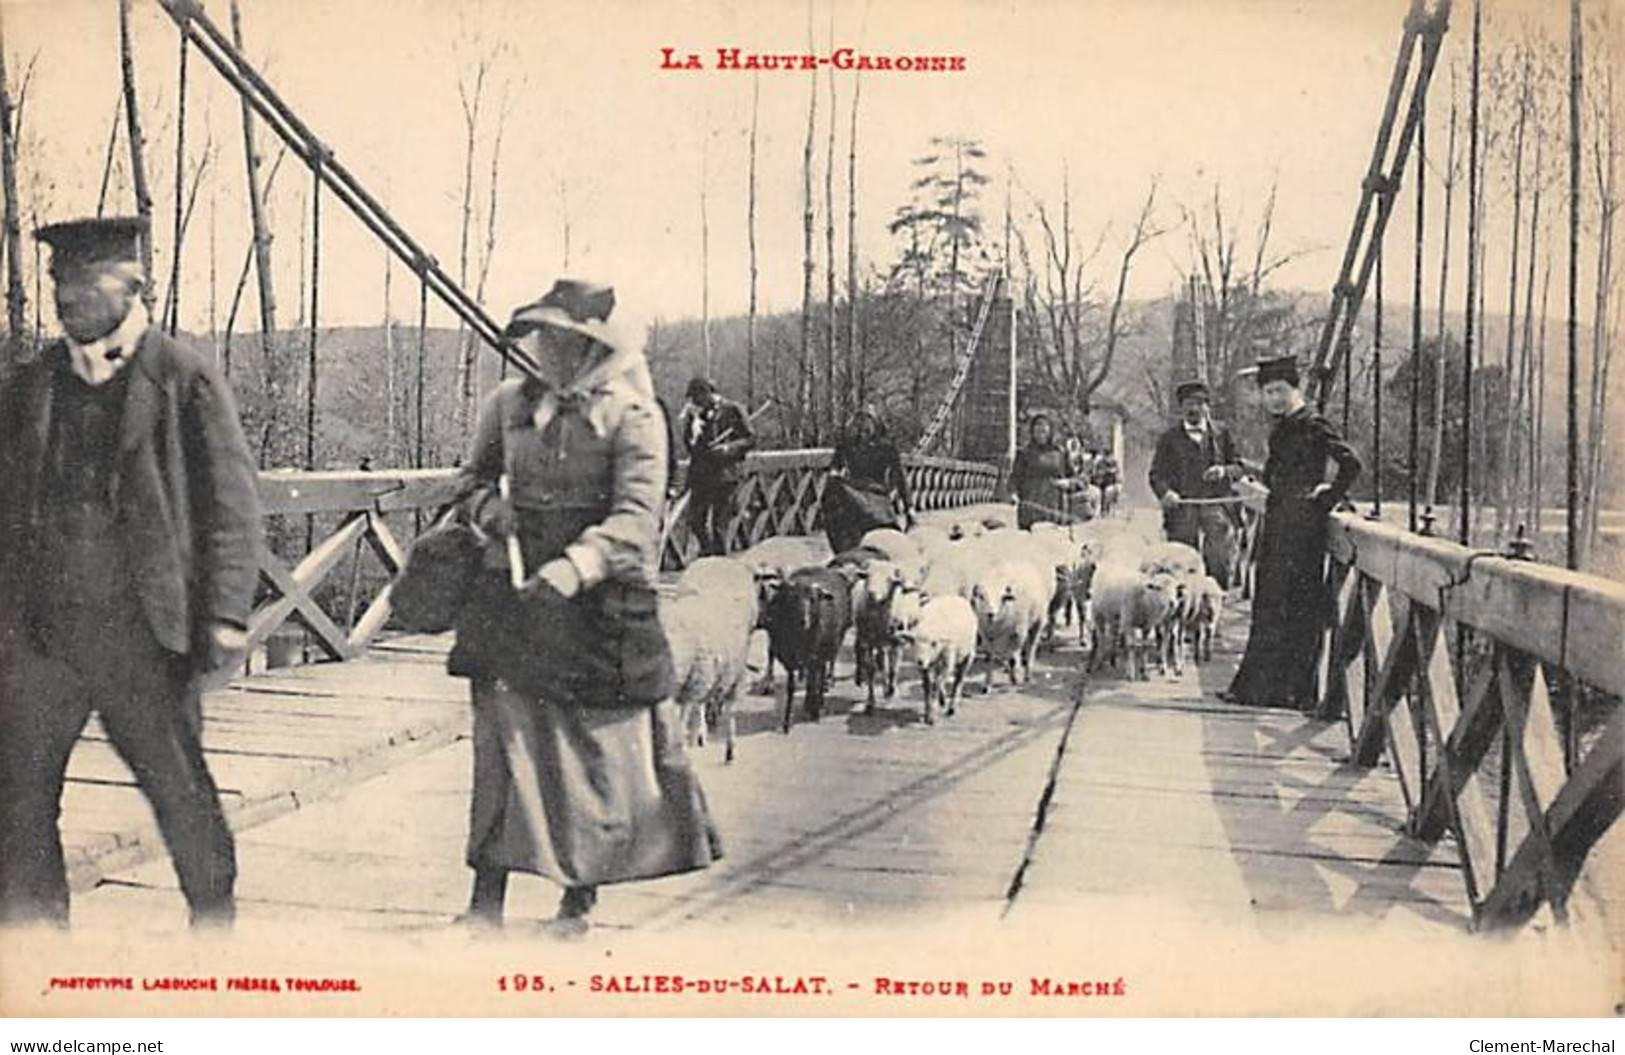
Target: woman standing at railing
579,770
1290,604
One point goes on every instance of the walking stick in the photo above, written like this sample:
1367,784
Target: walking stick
516,559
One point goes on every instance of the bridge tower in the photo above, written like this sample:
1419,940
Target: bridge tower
986,422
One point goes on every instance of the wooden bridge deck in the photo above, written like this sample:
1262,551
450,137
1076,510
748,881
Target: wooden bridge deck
348,782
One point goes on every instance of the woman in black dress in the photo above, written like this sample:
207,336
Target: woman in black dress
1041,480
867,488
1290,603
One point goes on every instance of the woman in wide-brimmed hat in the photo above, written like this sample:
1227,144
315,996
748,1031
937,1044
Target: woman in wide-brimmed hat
579,770
1290,604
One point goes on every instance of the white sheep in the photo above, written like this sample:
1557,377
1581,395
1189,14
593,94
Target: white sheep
900,549
1175,557
708,622
1115,588
873,593
1010,600
1156,620
943,642
1203,620
953,571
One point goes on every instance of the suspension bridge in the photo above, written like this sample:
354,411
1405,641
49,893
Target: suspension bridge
1463,773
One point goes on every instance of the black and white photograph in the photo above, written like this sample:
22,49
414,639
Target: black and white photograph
811,508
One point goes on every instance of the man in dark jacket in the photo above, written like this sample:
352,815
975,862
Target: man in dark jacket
129,535
1195,459
717,434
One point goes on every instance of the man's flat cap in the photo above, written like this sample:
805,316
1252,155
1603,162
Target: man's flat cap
1187,389
113,238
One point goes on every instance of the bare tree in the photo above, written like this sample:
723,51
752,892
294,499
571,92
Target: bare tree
10,125
1076,352
853,375
833,413
1515,82
471,94
256,211
1452,170
705,250
1231,305
138,168
1605,175
488,250
805,393
750,222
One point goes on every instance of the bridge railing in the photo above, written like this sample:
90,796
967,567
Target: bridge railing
1493,685
779,493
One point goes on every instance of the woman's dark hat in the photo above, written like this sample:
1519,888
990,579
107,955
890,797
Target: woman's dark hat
1188,389
113,239
1276,368
572,304
699,388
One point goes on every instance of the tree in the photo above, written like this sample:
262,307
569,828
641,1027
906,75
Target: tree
1604,171
1078,330
805,391
750,222
138,168
16,297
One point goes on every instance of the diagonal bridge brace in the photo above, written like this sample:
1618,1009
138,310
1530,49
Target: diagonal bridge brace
197,28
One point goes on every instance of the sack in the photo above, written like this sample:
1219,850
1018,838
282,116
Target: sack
429,593
850,510
601,648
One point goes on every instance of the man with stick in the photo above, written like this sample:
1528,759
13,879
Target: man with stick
1191,473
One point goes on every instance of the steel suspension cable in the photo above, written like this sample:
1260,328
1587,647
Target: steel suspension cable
1464,512
1416,309
1376,388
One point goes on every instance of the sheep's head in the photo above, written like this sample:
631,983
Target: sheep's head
905,611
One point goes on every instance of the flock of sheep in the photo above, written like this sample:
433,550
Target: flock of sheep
940,599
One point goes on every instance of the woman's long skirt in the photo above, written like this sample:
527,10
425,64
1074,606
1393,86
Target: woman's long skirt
584,795
1291,608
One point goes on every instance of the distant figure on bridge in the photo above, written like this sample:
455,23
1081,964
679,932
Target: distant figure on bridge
1290,606
1042,483
717,435
1107,479
129,544
1191,473
867,488
579,769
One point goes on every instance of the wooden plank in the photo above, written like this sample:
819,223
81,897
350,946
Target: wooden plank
296,493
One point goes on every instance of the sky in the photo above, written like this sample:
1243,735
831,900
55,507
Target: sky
1191,94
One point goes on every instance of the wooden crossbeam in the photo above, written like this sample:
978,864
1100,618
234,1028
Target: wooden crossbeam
1394,650
293,591
1545,866
1453,795
1348,638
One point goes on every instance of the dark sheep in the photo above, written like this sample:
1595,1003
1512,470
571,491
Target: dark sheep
806,621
